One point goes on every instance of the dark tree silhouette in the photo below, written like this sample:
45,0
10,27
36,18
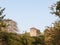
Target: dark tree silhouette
56,9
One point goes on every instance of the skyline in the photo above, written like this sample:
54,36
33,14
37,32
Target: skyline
29,13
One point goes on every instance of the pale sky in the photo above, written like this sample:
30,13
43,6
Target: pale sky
29,13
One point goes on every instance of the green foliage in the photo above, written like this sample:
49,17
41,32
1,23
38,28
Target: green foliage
55,8
1,14
16,39
52,34
2,23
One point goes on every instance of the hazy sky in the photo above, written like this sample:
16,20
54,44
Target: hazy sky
29,13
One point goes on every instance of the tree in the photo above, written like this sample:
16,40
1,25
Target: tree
52,34
56,9
1,14
2,24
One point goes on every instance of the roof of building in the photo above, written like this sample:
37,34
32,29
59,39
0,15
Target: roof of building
10,20
34,28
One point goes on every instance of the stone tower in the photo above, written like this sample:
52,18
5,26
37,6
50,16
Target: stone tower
11,26
34,32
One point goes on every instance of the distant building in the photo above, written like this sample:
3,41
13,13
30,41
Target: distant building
11,26
34,32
